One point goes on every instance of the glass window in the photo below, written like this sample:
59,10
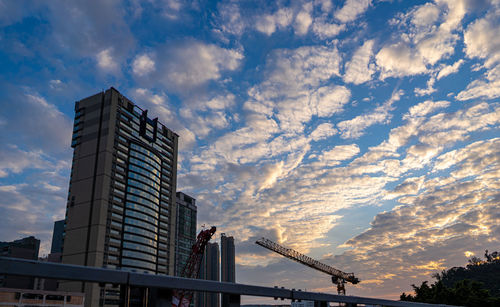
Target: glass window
142,209
145,165
139,247
135,254
138,263
143,186
139,239
121,193
146,152
144,179
148,173
140,231
132,221
142,216
145,158
143,194
116,224
114,241
143,201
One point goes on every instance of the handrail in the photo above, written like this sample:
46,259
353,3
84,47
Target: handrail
23,267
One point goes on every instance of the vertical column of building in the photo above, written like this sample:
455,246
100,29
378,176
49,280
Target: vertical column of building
88,197
186,230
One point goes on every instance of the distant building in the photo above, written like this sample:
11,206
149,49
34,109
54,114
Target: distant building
35,298
26,248
227,263
57,237
121,209
209,271
186,230
227,259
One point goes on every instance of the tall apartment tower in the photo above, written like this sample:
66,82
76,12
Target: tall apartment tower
121,208
186,230
209,271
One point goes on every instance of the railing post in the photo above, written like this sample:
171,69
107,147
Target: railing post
160,297
320,304
230,300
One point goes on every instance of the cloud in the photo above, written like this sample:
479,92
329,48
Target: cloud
229,19
339,153
303,20
325,30
428,36
359,69
269,23
157,104
323,131
354,128
399,60
352,9
425,108
35,123
488,88
143,64
481,39
194,63
106,62
450,69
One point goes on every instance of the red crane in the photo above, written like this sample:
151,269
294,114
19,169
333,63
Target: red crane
182,298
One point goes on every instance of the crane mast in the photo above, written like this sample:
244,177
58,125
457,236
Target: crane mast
182,298
338,277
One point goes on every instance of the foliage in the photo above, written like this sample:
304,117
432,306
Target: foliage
478,284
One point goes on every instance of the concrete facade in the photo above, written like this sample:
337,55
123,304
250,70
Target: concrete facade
121,209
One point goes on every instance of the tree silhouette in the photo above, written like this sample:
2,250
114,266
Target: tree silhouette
478,284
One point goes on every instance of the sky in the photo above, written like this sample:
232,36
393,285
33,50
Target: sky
362,133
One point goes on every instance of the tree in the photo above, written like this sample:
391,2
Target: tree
477,284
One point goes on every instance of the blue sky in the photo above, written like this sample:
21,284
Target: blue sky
362,133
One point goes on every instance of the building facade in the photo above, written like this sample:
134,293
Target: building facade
121,209
26,248
209,271
186,230
227,260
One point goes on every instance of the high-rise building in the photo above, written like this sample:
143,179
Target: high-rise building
26,248
57,237
121,206
186,230
227,262
210,271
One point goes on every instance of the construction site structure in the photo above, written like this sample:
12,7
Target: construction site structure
182,298
338,277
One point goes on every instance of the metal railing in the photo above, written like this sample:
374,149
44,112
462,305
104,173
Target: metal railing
22,267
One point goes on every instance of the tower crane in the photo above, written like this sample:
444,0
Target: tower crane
182,298
338,277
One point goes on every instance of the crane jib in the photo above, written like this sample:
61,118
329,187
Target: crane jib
306,260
